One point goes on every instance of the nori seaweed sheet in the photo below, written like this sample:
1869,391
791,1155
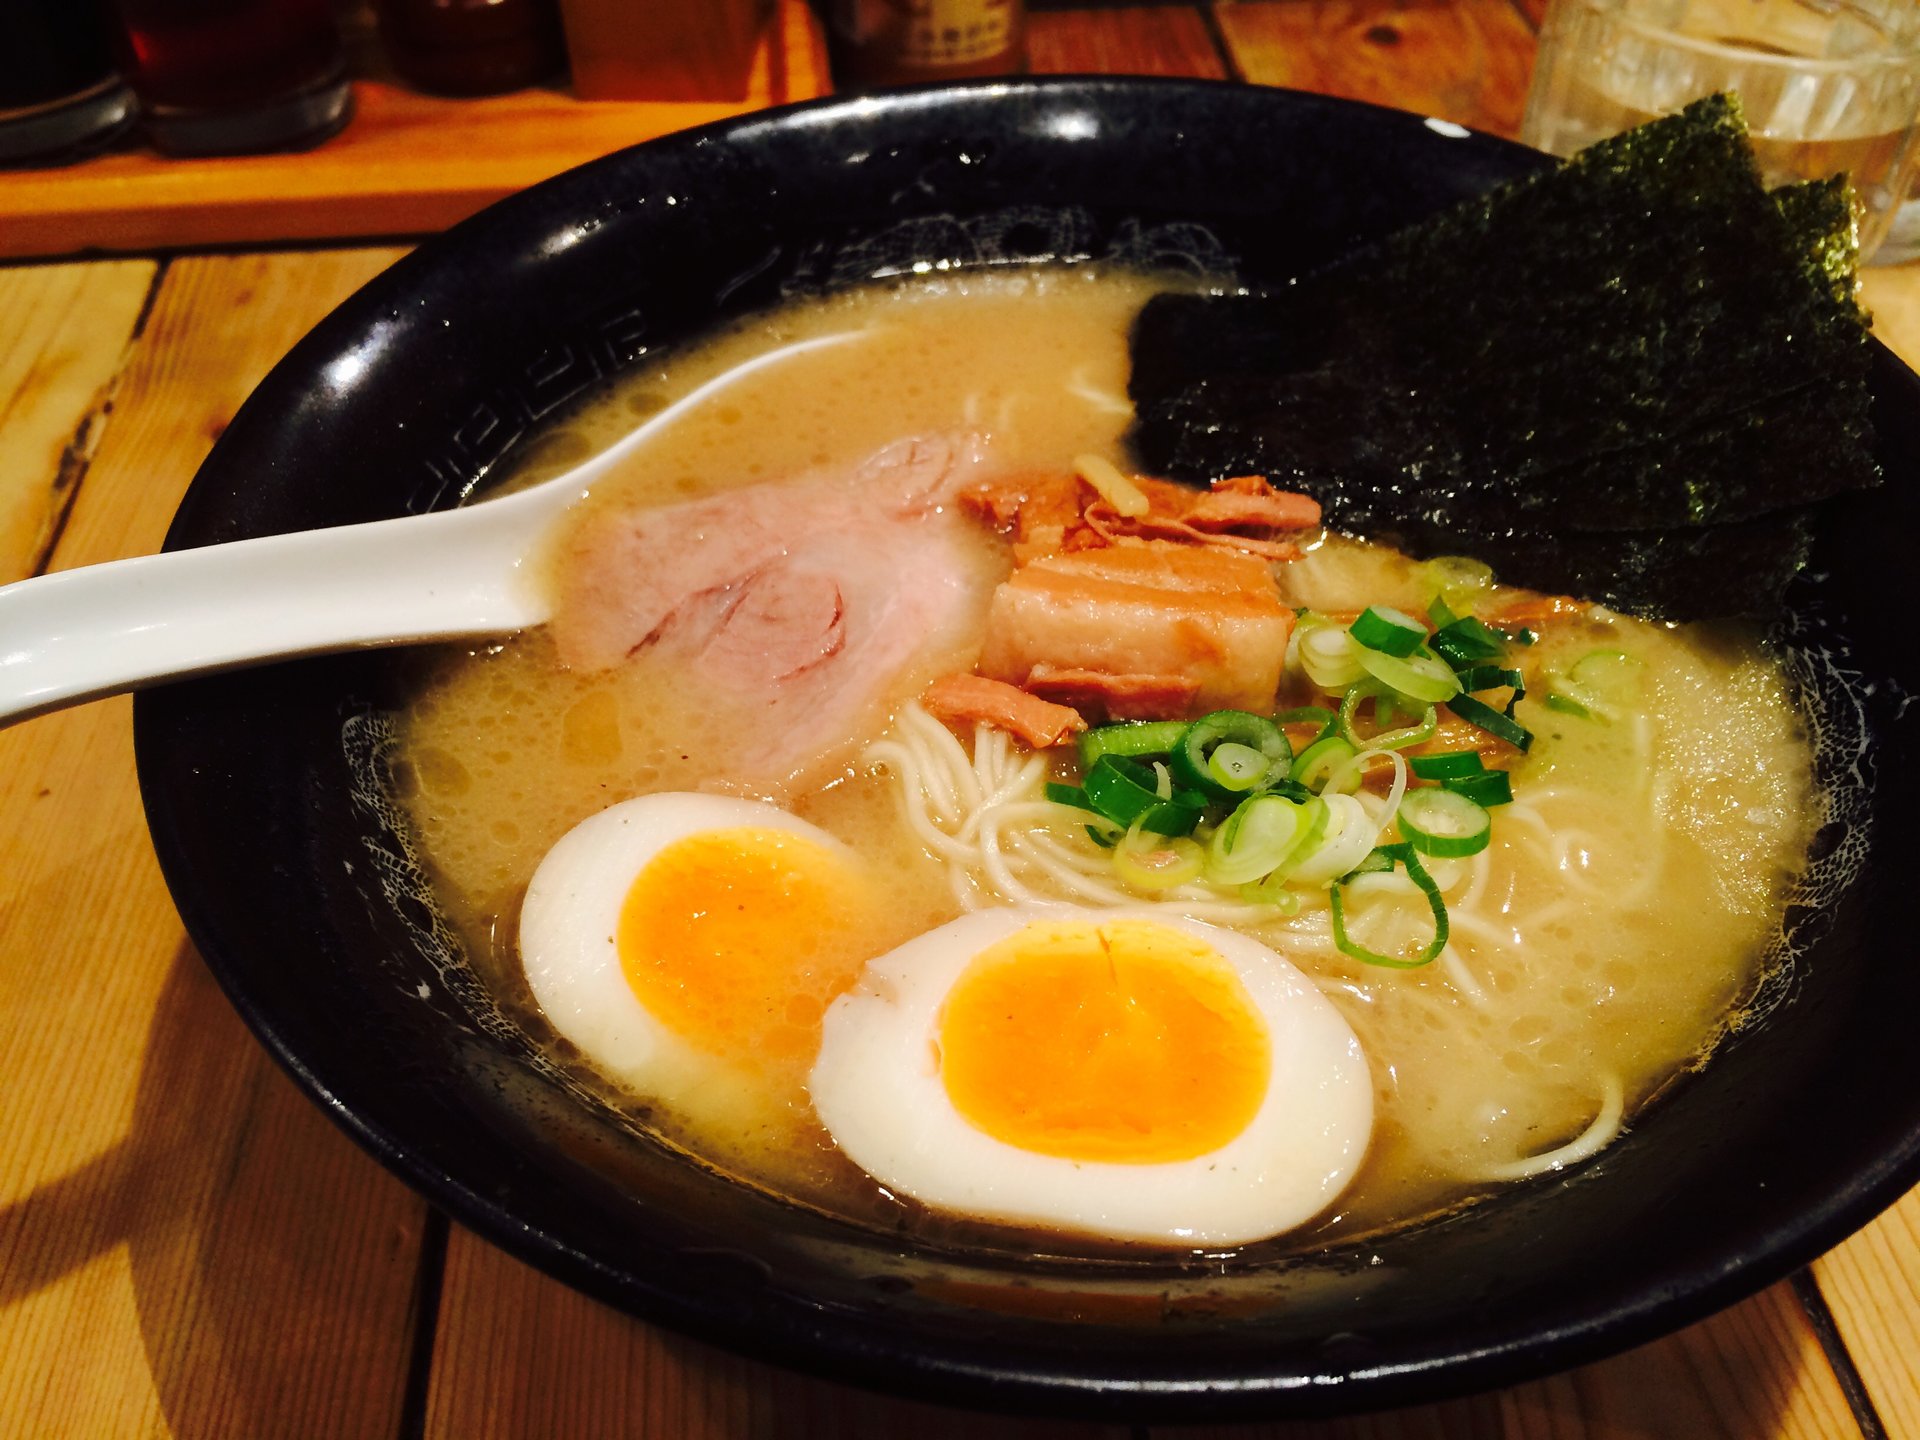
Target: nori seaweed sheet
1641,343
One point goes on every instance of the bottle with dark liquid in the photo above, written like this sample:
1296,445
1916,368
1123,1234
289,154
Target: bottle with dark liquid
905,42
220,77
471,47
59,93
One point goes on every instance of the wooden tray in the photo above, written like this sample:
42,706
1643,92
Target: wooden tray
407,164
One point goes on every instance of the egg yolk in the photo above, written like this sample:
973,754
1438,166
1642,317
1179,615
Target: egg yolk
737,940
1127,1042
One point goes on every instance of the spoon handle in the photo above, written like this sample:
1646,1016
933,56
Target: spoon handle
79,634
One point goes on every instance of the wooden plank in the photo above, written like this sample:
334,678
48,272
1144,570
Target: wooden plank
406,165
1892,295
1753,1370
187,1246
519,1355
1138,40
1872,1286
1462,60
63,335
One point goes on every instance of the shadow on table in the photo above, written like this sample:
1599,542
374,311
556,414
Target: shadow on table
273,1264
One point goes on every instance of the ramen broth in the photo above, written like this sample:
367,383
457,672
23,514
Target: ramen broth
1627,900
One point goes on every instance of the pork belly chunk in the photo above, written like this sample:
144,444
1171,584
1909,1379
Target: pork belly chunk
1136,610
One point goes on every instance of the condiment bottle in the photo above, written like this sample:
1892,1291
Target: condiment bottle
905,42
471,47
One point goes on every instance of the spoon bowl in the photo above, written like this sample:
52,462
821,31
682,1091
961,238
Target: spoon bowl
451,574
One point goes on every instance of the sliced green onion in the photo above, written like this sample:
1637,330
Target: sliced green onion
1237,767
1447,764
1310,714
1350,834
1491,677
1444,823
1271,892
1130,738
1417,873
1157,862
1069,795
1124,791
1330,657
1457,578
1439,613
1467,642
1378,862
1191,756
1422,677
1483,716
1254,840
1286,789
1488,789
1382,628
1313,829
1318,760
1382,701
1599,685
1103,838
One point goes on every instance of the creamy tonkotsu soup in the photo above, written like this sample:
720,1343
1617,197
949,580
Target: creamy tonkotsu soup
793,852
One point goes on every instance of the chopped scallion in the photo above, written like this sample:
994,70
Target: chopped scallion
1417,873
1130,738
1444,823
1488,789
1382,628
1124,791
1447,764
1254,840
1318,760
1157,862
1420,677
1491,677
1467,642
1191,757
1484,717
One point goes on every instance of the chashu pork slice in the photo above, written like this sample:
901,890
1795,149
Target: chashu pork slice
1141,629
803,606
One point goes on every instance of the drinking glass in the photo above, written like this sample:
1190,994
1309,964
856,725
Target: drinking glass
221,77
1826,85
59,94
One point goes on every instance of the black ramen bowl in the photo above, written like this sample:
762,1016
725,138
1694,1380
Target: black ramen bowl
263,794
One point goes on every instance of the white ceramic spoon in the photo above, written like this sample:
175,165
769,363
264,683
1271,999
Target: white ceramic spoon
79,634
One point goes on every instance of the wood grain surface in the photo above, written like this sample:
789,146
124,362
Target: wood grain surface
408,164
1467,61
1135,40
1872,1284
187,1248
64,331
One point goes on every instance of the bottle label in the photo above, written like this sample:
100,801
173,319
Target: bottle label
927,34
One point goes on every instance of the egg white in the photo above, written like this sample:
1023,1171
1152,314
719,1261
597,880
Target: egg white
571,917
877,1088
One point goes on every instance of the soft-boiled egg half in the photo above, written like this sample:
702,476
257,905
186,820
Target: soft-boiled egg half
1123,1074
687,943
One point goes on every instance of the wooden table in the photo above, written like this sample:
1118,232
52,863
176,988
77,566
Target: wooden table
188,1248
